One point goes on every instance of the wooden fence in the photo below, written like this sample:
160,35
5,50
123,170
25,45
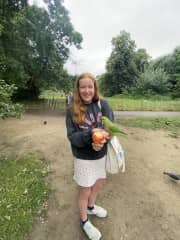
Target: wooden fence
54,104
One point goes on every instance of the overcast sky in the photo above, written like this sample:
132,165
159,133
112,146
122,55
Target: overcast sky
153,25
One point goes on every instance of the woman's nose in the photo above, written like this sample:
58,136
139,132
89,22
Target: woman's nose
86,89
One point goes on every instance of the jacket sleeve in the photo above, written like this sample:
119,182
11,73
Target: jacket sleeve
79,138
107,110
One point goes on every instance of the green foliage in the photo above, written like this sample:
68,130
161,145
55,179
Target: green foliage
104,84
1,29
171,65
10,110
6,91
34,46
176,92
167,63
141,59
52,94
123,66
7,108
22,193
153,81
130,71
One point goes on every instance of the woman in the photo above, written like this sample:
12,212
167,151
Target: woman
82,120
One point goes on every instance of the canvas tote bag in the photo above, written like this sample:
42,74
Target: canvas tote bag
115,160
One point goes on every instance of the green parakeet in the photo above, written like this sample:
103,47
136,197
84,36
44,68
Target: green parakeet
111,127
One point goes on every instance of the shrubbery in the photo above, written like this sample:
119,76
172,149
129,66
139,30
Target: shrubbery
153,82
7,107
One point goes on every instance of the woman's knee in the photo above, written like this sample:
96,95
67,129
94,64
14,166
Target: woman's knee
99,183
84,192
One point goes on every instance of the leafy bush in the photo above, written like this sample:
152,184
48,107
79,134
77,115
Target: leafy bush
7,107
153,81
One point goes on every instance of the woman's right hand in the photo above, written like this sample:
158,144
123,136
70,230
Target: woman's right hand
97,146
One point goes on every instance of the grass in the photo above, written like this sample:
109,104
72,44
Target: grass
50,94
122,102
171,124
22,195
143,104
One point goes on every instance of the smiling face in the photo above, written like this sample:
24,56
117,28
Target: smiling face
86,89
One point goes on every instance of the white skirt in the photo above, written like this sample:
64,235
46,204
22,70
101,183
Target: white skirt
87,172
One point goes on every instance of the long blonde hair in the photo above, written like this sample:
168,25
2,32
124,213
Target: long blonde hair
79,107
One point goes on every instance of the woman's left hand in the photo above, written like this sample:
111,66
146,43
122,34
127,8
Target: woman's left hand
103,131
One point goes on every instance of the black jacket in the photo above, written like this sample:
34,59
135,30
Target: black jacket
80,136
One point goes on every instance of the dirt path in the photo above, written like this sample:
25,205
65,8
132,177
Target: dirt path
142,203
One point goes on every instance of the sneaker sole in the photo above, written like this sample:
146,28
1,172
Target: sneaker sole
90,213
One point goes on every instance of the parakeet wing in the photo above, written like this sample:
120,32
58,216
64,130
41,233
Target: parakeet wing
112,127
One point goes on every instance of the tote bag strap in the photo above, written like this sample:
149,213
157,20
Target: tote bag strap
99,104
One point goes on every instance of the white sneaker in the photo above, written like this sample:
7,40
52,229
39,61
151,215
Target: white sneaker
98,211
92,232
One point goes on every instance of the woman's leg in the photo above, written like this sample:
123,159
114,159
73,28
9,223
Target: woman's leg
94,191
84,193
91,231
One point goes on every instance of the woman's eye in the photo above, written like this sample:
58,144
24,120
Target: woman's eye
84,87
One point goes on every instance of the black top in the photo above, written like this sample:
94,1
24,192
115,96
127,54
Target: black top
80,136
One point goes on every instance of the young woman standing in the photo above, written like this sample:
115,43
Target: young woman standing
82,120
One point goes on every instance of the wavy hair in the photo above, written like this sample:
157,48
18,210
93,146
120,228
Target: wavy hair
79,107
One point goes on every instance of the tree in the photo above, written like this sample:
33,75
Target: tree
167,63
153,82
121,67
34,51
142,59
171,65
176,90
103,83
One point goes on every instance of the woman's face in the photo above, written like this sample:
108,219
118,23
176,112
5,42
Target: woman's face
86,89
